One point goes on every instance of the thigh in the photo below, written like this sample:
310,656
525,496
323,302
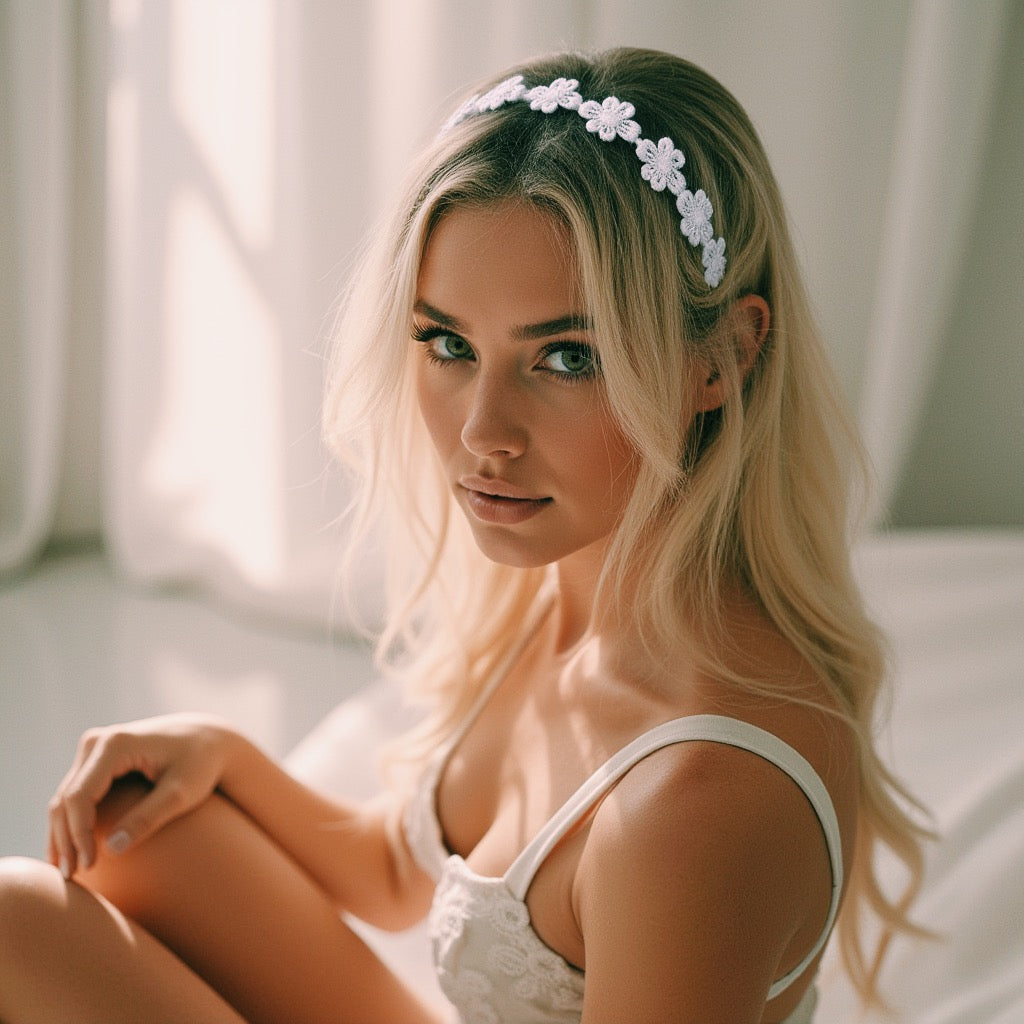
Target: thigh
67,956
214,889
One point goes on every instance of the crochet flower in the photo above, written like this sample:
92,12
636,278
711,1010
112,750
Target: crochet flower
695,208
447,920
538,971
610,118
560,93
504,92
508,915
661,165
714,261
471,106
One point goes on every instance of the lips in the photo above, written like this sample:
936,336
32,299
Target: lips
497,501
494,488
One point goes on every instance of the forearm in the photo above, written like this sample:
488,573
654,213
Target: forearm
343,845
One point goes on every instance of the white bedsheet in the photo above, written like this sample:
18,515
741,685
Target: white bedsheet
953,605
954,608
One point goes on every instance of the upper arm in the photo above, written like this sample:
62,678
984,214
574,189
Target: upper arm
407,890
694,881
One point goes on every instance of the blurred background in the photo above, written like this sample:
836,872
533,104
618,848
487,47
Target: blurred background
183,184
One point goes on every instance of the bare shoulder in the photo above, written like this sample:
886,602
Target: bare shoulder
700,869
705,875
795,704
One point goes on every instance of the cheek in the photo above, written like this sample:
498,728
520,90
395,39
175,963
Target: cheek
436,413
608,462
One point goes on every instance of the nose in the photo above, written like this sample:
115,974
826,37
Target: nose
495,421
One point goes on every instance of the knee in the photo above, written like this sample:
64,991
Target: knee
148,878
113,875
26,880
117,872
33,897
31,894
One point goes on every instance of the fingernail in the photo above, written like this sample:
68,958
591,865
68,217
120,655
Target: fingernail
119,842
65,869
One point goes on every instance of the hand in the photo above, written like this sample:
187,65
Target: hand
183,756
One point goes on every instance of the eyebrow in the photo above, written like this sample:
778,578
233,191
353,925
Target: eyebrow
525,332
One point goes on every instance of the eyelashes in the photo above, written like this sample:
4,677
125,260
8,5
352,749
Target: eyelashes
569,362
441,345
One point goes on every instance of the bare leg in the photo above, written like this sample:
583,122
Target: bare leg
206,916
69,956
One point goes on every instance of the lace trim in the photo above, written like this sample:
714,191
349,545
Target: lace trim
532,972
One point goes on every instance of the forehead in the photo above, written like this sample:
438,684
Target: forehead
510,253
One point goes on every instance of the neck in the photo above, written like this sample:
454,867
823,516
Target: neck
586,626
580,613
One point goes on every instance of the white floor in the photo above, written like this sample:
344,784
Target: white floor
79,648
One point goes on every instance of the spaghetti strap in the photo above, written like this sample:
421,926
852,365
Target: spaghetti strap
708,728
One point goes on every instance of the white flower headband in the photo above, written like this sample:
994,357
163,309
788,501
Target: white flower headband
612,119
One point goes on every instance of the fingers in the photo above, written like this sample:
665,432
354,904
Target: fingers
144,817
60,850
63,848
101,759
180,757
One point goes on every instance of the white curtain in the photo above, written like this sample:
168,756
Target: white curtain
36,83
935,188
184,182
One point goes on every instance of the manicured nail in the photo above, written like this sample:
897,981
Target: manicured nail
119,842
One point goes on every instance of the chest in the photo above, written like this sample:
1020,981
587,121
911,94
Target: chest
525,753
522,758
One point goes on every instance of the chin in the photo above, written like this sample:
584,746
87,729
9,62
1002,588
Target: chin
515,555
514,550
520,552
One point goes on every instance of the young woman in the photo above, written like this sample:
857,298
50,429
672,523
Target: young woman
579,364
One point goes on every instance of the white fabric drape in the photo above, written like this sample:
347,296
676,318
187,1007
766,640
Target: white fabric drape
245,146
944,116
35,168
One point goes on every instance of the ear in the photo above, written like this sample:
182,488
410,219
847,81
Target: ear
748,320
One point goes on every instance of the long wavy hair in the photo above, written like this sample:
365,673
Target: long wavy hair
753,493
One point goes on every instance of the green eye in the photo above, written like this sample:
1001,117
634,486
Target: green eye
577,362
574,362
451,346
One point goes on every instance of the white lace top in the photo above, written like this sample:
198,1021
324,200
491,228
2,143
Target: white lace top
490,962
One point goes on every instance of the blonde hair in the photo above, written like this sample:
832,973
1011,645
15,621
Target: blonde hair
754,493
